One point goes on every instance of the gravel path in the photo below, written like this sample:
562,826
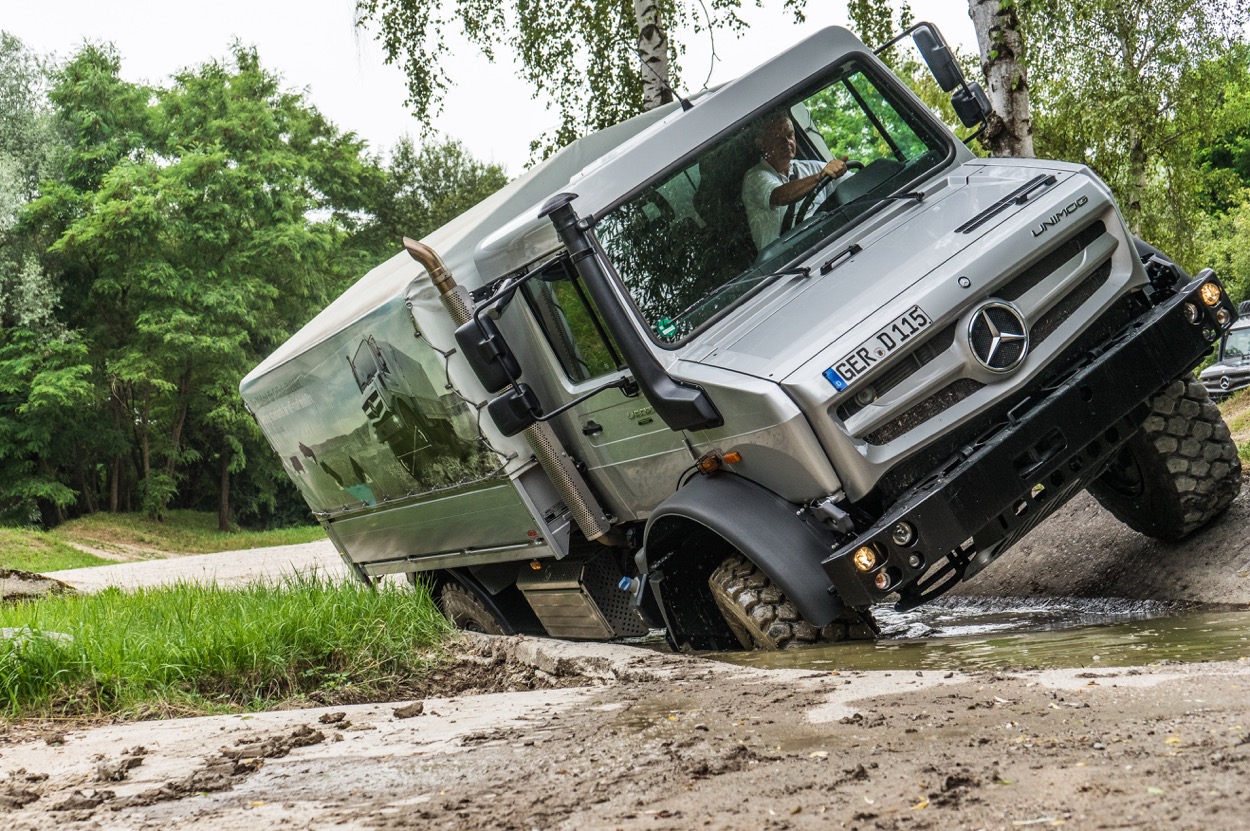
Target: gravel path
225,568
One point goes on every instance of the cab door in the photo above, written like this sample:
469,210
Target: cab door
630,455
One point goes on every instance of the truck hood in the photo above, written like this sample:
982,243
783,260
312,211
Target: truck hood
796,318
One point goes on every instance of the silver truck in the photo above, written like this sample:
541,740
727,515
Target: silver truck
594,404
1231,370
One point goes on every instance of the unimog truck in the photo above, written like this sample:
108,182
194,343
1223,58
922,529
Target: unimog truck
594,405
1231,370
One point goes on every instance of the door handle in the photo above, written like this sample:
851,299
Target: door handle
591,427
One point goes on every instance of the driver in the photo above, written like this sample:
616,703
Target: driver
772,190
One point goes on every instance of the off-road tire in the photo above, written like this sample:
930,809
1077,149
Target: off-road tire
466,611
761,617
1178,472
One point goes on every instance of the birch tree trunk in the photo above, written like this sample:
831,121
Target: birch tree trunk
653,52
223,493
1010,130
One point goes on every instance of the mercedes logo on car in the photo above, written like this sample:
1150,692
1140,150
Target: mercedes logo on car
998,336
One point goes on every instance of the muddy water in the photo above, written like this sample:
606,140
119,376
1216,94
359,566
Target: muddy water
997,633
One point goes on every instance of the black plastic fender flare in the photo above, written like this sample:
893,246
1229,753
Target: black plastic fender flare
768,530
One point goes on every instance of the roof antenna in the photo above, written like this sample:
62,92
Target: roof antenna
686,106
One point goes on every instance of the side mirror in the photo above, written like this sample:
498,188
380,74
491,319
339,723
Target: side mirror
515,409
939,58
488,354
971,104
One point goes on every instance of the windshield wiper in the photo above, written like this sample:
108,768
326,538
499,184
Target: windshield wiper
911,194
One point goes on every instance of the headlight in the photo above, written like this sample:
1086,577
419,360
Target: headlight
865,558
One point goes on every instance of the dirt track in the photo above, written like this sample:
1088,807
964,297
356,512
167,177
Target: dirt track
657,741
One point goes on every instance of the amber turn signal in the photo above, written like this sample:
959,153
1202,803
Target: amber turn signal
1211,293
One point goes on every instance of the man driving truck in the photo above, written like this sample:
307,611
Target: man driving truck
773,188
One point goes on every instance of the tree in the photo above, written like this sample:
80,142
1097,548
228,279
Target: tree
591,58
425,188
28,147
1001,44
1126,88
193,226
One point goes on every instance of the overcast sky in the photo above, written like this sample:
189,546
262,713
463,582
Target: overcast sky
313,45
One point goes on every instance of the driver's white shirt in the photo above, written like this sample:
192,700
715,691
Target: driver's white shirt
758,185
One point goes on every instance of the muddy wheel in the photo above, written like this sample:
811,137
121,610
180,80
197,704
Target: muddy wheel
761,617
466,611
1179,472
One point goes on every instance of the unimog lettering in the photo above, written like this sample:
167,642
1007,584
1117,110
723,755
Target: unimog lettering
636,403
1059,215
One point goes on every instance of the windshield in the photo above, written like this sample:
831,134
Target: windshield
1238,344
691,245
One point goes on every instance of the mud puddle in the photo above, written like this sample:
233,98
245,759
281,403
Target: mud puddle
996,633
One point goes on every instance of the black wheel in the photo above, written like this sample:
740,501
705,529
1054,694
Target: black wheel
466,611
1178,472
761,617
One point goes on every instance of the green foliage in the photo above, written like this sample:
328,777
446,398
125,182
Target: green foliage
1223,157
582,56
1225,246
197,649
44,384
1126,87
191,228
426,188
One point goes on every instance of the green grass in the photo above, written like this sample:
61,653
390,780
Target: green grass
184,532
134,536
1236,412
193,649
28,550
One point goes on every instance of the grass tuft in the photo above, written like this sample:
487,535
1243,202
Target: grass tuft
191,649
1236,412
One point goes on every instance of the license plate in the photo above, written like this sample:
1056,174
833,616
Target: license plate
856,362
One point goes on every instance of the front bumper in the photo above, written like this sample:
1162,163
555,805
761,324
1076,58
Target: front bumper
971,509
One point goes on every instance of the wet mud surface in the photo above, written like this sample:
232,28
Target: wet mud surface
656,741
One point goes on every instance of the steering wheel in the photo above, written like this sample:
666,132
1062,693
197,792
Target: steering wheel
824,179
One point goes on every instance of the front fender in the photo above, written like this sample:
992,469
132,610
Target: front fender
766,529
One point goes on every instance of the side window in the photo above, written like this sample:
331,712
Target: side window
570,323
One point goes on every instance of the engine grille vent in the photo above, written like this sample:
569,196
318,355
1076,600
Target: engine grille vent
932,406
1040,329
899,372
1046,266
1063,310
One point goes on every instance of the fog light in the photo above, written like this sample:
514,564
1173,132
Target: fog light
865,558
883,580
916,560
1191,313
1223,316
903,534
1208,333
1211,293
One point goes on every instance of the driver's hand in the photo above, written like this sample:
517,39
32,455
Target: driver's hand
835,168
